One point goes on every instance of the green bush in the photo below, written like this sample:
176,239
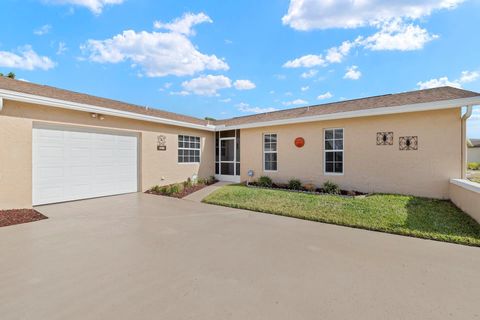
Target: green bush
265,182
294,184
474,166
188,183
331,188
156,189
174,188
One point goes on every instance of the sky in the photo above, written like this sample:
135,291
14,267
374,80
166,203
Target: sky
223,59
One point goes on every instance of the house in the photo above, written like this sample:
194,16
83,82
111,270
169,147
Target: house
474,150
58,145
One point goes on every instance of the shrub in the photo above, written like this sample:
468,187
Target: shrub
156,189
294,184
211,180
265,181
188,183
474,166
309,187
331,188
174,188
164,190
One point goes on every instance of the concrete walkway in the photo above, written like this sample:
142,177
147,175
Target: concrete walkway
201,194
141,256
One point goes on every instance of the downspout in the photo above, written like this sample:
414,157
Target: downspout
464,140
1,104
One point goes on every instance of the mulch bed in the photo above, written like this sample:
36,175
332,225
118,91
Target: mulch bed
318,191
17,216
185,192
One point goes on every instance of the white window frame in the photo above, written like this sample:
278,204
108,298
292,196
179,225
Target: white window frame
199,149
264,151
325,151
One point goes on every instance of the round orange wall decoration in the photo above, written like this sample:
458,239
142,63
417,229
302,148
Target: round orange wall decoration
299,142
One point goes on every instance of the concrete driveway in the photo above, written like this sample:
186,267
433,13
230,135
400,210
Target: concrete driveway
141,256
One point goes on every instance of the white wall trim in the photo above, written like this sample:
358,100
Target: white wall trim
466,184
436,105
28,98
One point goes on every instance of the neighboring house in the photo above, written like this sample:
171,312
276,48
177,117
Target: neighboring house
58,145
474,150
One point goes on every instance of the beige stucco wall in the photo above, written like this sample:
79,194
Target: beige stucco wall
473,154
467,200
367,167
157,167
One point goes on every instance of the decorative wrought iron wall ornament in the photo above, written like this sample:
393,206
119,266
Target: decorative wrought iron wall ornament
161,143
384,138
408,143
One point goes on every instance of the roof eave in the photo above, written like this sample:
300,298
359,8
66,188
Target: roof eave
417,107
64,104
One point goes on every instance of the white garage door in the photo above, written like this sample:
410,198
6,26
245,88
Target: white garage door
72,164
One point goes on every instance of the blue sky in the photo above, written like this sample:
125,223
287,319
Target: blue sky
232,58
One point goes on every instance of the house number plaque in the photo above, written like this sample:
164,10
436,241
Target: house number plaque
162,143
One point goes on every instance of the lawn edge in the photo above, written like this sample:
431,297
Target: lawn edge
344,224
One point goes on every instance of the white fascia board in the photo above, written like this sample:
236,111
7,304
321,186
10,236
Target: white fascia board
28,98
466,184
436,105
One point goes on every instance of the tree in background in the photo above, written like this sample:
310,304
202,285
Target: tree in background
10,75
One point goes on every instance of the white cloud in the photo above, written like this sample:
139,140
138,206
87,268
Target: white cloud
309,74
440,82
294,102
392,35
180,93
307,61
319,14
244,85
280,76
26,59
43,30
465,77
469,76
303,89
96,6
245,107
326,95
226,100
396,35
207,85
62,48
184,24
336,54
392,19
158,54
352,73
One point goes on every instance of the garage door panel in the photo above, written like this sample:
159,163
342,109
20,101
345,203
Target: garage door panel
75,164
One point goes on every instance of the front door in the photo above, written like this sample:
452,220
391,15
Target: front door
228,156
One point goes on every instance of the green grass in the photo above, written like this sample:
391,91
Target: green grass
405,215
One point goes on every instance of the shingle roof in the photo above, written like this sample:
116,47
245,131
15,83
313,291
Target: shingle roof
60,94
388,100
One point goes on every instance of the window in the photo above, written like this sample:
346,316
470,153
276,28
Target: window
333,151
270,152
188,149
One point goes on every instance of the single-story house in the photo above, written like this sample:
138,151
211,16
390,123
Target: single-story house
474,150
58,145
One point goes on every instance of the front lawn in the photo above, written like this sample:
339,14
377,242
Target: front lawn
405,215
